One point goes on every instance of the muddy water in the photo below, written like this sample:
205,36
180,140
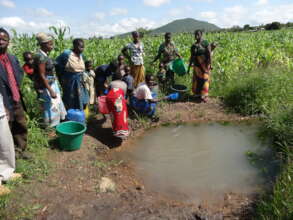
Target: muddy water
201,163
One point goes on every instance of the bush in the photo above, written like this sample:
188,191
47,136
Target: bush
261,92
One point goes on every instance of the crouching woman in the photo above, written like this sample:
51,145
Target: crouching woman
117,107
144,101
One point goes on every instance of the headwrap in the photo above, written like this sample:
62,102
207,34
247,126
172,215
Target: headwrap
43,37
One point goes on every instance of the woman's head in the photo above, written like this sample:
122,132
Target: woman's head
198,35
4,40
78,45
45,41
168,37
135,36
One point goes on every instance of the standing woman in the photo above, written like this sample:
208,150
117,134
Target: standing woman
201,59
134,52
46,82
70,69
167,53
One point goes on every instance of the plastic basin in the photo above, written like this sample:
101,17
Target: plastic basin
70,135
181,89
178,66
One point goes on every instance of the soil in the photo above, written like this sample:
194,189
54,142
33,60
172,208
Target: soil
71,190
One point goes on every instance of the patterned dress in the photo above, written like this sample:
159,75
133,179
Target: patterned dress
136,56
53,109
201,69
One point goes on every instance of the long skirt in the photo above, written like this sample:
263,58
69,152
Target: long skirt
201,81
75,95
137,72
53,109
7,153
118,111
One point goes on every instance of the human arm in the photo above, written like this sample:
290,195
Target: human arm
42,74
125,52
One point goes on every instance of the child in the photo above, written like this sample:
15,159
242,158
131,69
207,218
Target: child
121,65
161,75
128,79
89,81
28,66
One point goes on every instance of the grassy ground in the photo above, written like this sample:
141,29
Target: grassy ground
268,93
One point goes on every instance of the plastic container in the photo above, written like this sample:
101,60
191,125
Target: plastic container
173,96
75,115
70,135
178,66
181,89
87,112
102,105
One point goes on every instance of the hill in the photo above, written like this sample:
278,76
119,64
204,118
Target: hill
185,25
181,25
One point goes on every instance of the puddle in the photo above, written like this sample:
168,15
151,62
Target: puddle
203,162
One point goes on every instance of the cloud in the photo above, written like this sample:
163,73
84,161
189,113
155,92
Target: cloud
118,11
23,26
122,26
40,12
175,12
155,3
99,15
239,15
262,2
7,3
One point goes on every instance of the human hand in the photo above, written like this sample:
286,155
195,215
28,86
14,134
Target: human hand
53,94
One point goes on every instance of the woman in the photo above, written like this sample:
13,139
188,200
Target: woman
134,52
201,59
46,82
167,53
70,69
144,101
118,110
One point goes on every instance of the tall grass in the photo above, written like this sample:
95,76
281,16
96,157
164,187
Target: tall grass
269,92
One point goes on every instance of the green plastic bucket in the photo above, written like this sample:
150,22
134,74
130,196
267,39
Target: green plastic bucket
70,135
178,66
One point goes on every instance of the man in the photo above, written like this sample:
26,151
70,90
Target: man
11,76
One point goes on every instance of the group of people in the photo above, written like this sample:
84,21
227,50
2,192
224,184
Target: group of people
81,84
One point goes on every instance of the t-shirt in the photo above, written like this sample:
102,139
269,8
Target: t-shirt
119,84
75,63
143,92
168,52
2,109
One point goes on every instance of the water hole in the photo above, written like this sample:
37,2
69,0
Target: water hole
202,162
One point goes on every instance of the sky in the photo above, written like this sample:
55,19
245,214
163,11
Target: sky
87,18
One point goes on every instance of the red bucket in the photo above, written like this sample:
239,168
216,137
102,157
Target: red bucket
102,105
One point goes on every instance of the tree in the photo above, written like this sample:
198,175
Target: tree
246,27
273,26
